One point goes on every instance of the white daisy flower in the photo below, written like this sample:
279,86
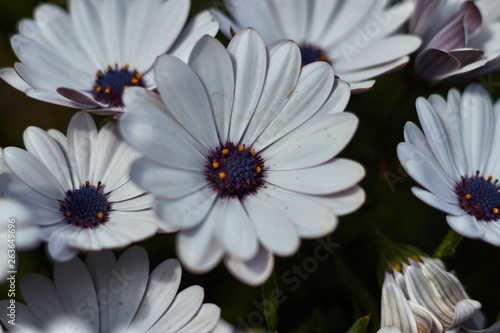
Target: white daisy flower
86,58
461,39
358,38
17,232
239,152
424,297
457,160
108,295
79,188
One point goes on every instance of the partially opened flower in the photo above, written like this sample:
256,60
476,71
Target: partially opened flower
424,297
461,39
86,58
108,295
359,39
239,151
456,159
17,232
79,188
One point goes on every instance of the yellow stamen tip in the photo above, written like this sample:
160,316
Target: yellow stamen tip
87,183
222,175
108,90
259,169
68,214
135,81
125,87
225,151
126,66
98,89
110,67
100,215
495,210
253,152
215,164
468,196
138,76
241,148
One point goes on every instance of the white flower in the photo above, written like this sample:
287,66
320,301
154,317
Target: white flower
358,38
461,38
239,151
427,298
79,188
85,59
457,160
108,295
17,232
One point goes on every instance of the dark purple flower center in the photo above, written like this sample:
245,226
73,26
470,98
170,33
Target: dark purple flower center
86,207
311,53
110,85
479,197
235,171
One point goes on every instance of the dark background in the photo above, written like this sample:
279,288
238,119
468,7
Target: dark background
341,288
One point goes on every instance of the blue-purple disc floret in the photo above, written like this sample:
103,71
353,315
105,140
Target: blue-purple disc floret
235,171
110,85
479,197
86,207
311,53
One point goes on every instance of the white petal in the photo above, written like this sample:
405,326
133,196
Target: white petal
204,321
40,295
210,61
185,306
82,132
186,212
77,300
311,218
338,99
197,248
26,321
436,202
33,172
10,76
148,129
249,56
54,98
426,172
166,182
58,246
131,277
477,125
465,225
344,202
235,231
282,75
331,177
312,144
161,290
184,95
253,272
312,90
202,24
274,229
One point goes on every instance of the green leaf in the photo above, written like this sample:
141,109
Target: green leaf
360,325
270,294
448,245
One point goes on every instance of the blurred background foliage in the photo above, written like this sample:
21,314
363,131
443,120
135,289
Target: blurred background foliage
317,294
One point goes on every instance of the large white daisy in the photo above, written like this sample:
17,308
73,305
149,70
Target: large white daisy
79,187
239,151
357,37
111,296
424,297
461,38
86,58
457,160
17,232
